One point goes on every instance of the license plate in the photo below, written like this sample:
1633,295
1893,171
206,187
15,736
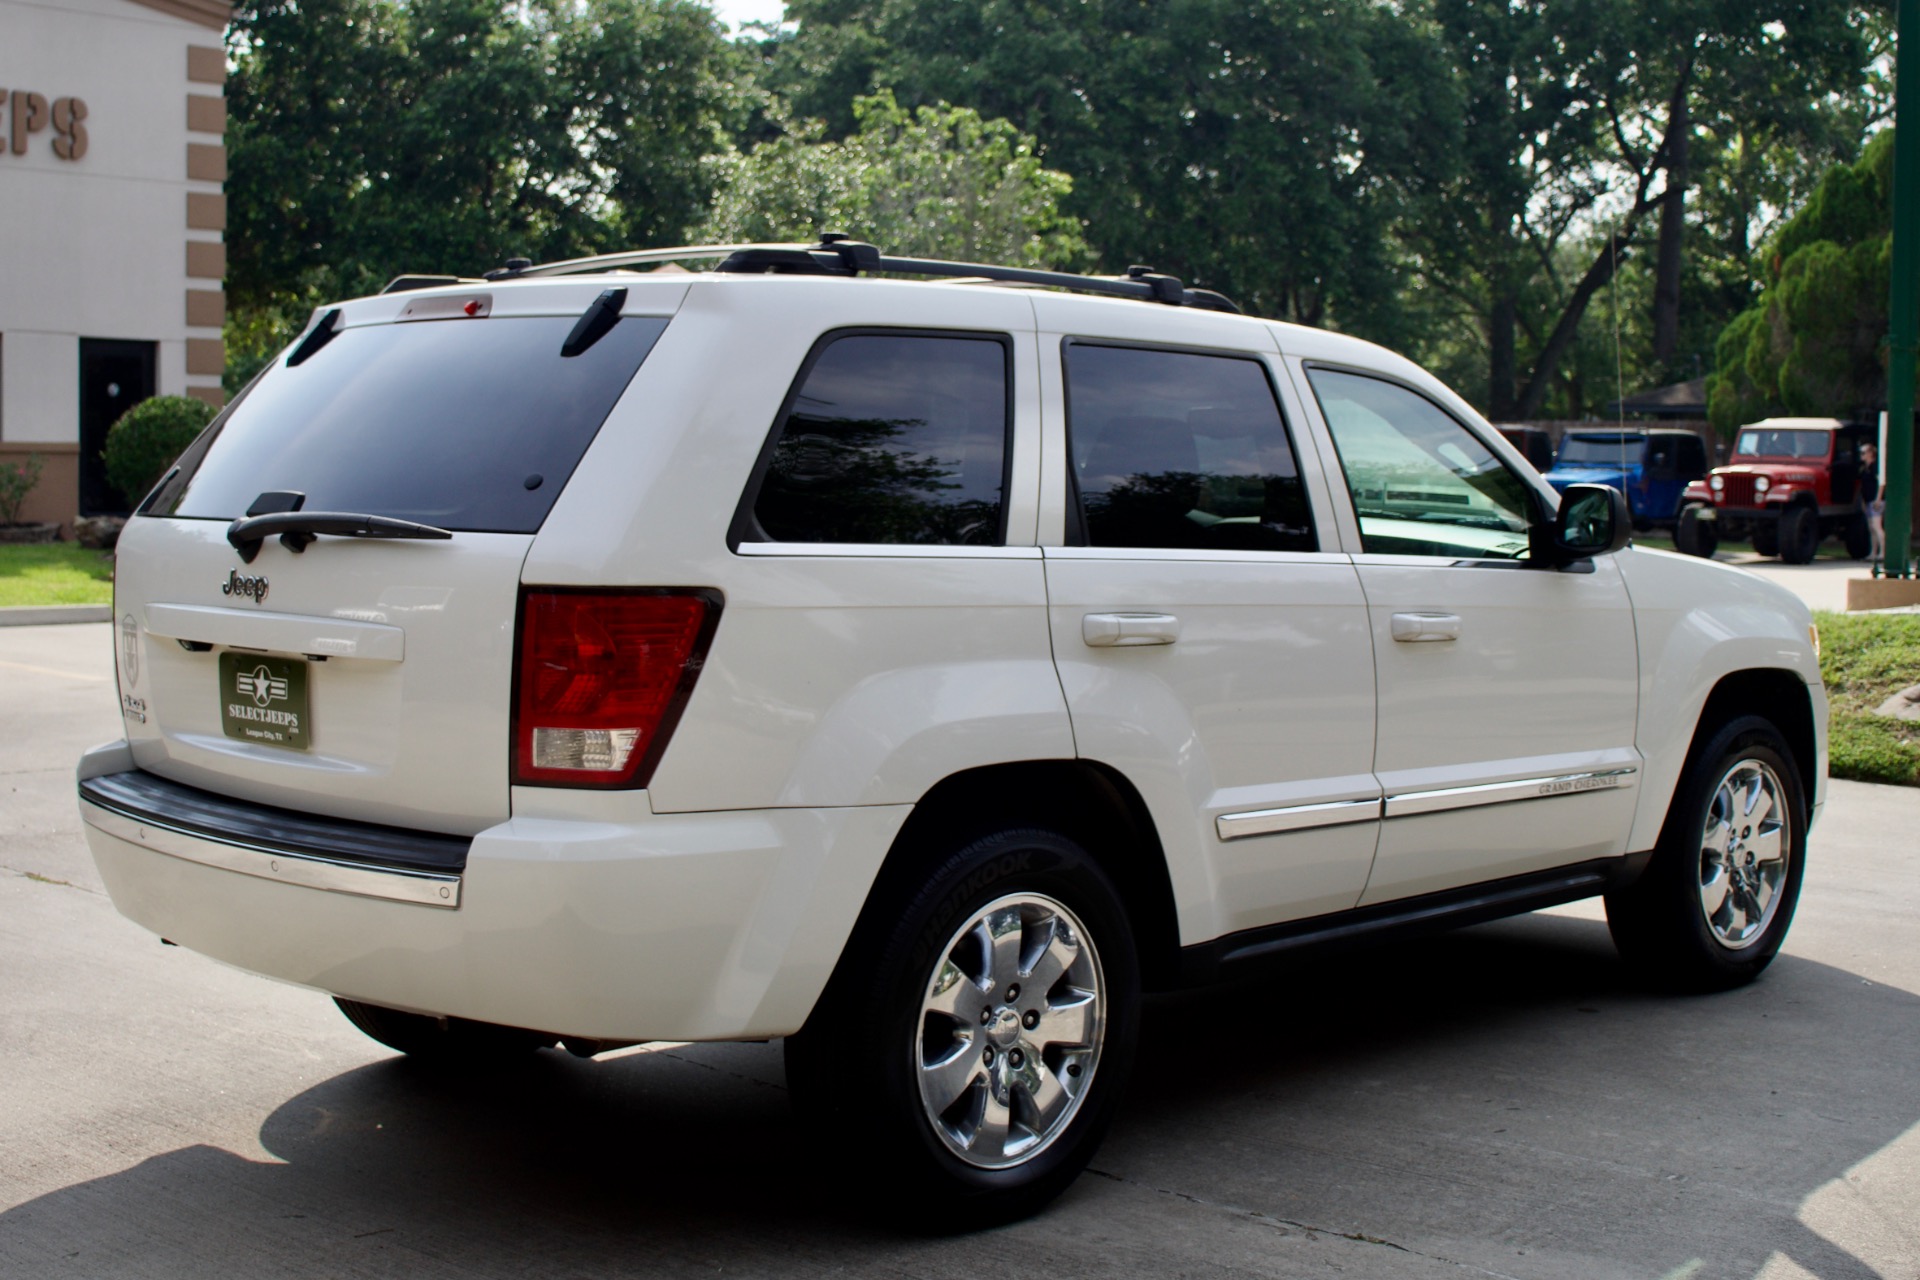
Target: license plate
264,700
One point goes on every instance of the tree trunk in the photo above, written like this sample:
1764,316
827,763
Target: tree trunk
1673,225
1501,362
1595,278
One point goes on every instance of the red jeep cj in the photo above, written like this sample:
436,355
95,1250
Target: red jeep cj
1791,483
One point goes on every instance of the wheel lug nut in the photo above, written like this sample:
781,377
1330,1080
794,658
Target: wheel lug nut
1015,1058
1013,993
986,1017
1032,1019
987,1057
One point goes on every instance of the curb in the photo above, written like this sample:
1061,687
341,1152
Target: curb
43,615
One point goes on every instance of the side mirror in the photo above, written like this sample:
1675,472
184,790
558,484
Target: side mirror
1593,521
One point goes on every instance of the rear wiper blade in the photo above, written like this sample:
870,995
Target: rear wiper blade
299,528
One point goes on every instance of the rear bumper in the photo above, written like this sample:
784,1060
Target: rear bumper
618,924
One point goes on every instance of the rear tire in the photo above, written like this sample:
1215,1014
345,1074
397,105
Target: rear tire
972,1047
1859,537
1693,536
1799,535
1715,902
443,1041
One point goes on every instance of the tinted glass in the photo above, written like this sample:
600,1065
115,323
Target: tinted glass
892,438
442,421
1611,449
1177,449
1421,483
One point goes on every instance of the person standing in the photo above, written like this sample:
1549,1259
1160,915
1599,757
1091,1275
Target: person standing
1873,496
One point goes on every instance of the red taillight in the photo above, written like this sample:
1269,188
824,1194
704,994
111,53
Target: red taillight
601,679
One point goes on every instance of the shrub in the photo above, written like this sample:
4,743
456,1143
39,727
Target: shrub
148,437
17,480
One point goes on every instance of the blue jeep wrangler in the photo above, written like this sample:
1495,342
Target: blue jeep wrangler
1651,467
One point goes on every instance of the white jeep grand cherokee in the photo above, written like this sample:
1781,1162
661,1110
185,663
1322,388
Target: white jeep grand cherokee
915,670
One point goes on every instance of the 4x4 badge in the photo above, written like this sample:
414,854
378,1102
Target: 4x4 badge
237,584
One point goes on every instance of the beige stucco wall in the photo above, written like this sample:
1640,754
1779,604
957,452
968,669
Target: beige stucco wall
98,246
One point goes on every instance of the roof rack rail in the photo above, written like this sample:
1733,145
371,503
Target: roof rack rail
838,255
408,283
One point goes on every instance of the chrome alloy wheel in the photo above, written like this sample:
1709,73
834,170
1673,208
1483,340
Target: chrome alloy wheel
1744,848
1009,1031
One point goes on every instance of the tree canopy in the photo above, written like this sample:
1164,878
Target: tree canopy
1815,341
936,182
1534,198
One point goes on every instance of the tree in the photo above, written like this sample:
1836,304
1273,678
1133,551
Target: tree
1815,341
936,182
374,137
1580,123
1247,145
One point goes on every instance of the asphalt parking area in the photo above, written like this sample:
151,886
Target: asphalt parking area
1493,1102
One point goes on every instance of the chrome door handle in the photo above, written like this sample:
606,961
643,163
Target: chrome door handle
1126,630
1417,628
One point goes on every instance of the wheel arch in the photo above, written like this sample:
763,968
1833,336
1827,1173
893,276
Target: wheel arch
1094,805
1775,694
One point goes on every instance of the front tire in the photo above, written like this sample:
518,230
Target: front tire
1715,902
971,1049
1766,537
1799,535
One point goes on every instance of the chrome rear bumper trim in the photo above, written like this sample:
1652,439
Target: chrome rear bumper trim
422,888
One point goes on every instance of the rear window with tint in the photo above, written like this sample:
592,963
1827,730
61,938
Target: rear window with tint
891,438
445,422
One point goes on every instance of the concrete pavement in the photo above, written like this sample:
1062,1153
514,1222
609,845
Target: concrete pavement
1497,1102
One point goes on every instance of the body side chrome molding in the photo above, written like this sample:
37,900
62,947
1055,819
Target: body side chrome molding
1410,803
422,888
1407,804
1299,817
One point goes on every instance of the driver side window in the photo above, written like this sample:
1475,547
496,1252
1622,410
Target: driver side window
1422,484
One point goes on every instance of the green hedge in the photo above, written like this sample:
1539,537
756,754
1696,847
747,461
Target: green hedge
148,437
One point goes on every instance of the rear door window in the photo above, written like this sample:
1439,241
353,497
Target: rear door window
470,425
890,437
1181,449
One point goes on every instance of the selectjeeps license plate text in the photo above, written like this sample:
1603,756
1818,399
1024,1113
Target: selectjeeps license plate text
264,699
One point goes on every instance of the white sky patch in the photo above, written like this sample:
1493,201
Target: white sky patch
737,12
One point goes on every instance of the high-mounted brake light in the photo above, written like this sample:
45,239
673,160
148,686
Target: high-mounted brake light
600,681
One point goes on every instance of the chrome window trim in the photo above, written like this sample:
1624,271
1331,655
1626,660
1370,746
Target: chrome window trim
1407,804
887,550
421,888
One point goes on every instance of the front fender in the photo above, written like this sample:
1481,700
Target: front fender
1697,623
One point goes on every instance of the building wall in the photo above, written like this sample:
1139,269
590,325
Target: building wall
122,240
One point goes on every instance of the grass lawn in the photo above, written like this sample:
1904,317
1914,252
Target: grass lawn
1866,659
54,573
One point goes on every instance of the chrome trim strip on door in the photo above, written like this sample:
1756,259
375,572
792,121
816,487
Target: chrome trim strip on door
1299,817
1409,803
423,888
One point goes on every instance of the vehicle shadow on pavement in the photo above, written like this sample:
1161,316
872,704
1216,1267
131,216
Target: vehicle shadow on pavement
1498,1099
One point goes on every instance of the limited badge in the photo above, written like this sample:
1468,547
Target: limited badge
264,699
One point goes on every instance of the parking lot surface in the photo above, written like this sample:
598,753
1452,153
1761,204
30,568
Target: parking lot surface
1497,1101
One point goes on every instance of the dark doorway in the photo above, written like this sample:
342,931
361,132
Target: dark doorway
114,376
